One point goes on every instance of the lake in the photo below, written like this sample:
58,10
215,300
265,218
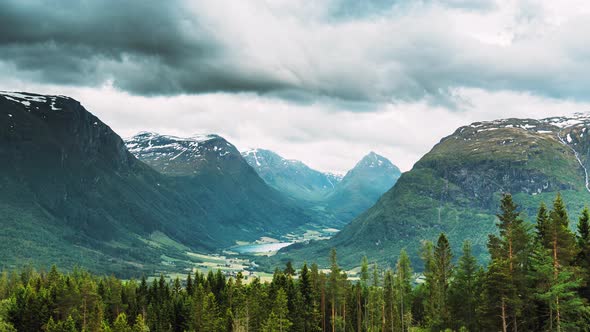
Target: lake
260,248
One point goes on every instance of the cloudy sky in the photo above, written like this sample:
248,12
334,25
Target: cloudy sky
321,81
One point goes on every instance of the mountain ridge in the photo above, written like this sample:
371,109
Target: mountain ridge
71,193
456,186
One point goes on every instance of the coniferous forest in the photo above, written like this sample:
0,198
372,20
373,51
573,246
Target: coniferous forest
537,279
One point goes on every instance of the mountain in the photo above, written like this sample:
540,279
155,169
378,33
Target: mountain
362,186
456,188
291,176
72,194
334,198
211,172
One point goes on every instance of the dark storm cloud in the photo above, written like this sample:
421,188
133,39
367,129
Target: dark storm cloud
146,47
351,53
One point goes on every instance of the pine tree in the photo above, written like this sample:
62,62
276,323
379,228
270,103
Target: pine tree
464,289
403,286
121,324
362,296
334,288
542,221
289,270
443,270
277,320
140,325
389,309
511,252
559,238
561,242
498,290
308,294
375,303
563,308
430,308
210,316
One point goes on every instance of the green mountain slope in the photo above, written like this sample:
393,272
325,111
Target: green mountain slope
455,188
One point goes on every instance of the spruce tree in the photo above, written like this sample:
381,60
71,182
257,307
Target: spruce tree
559,238
334,288
511,251
121,324
363,295
464,289
430,303
542,221
403,286
289,270
443,270
277,320
140,325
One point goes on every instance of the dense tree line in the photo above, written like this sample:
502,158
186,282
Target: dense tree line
536,280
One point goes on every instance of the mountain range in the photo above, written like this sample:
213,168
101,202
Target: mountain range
335,197
72,194
456,187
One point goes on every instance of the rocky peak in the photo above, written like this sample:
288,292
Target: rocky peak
373,160
60,126
183,155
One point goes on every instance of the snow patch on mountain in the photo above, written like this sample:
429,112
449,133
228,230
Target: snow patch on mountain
172,147
30,100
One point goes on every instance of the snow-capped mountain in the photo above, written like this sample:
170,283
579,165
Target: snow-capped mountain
362,186
184,155
291,176
342,197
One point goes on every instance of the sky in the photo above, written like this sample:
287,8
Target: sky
324,82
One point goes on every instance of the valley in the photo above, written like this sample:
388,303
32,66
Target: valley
161,208
249,258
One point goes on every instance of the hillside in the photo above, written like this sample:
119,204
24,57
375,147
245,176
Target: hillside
455,188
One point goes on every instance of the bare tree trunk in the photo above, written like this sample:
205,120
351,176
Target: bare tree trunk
323,304
344,315
383,316
402,307
333,316
359,313
557,315
504,327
